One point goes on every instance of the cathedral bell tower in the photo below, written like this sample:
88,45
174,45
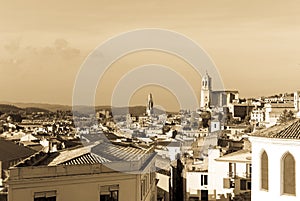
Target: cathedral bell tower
205,92
149,109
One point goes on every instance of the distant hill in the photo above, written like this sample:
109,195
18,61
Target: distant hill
6,108
50,107
35,109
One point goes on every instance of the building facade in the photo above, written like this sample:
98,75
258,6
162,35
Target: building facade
275,153
83,182
84,174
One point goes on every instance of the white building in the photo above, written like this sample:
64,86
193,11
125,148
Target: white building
223,178
228,175
215,125
275,154
196,185
257,115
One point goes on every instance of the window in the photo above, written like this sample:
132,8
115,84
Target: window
226,183
243,184
232,170
288,173
109,193
45,196
204,195
264,171
203,180
152,177
143,188
248,170
249,185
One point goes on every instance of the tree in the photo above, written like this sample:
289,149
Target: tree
286,116
247,119
205,116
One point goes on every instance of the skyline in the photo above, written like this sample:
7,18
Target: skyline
42,45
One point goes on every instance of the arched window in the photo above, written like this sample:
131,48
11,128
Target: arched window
288,174
264,171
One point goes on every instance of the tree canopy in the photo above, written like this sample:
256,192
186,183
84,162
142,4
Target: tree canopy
286,116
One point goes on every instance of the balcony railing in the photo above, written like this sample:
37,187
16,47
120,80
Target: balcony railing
243,175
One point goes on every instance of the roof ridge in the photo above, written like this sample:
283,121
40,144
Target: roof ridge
286,130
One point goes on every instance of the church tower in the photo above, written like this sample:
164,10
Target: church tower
149,109
205,91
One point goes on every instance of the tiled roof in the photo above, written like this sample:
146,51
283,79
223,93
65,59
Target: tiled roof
70,154
88,158
117,153
10,151
288,130
100,153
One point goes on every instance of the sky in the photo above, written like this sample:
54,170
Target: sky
254,44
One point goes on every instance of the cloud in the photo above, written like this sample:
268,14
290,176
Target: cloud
36,73
61,44
34,61
60,49
13,46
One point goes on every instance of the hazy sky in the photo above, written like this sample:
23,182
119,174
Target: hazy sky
254,44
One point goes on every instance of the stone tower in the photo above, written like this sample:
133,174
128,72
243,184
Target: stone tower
149,109
205,91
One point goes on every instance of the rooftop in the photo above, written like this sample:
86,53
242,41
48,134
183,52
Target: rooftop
11,151
288,130
282,105
93,154
77,156
241,156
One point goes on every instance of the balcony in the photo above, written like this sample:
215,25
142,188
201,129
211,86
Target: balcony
231,174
